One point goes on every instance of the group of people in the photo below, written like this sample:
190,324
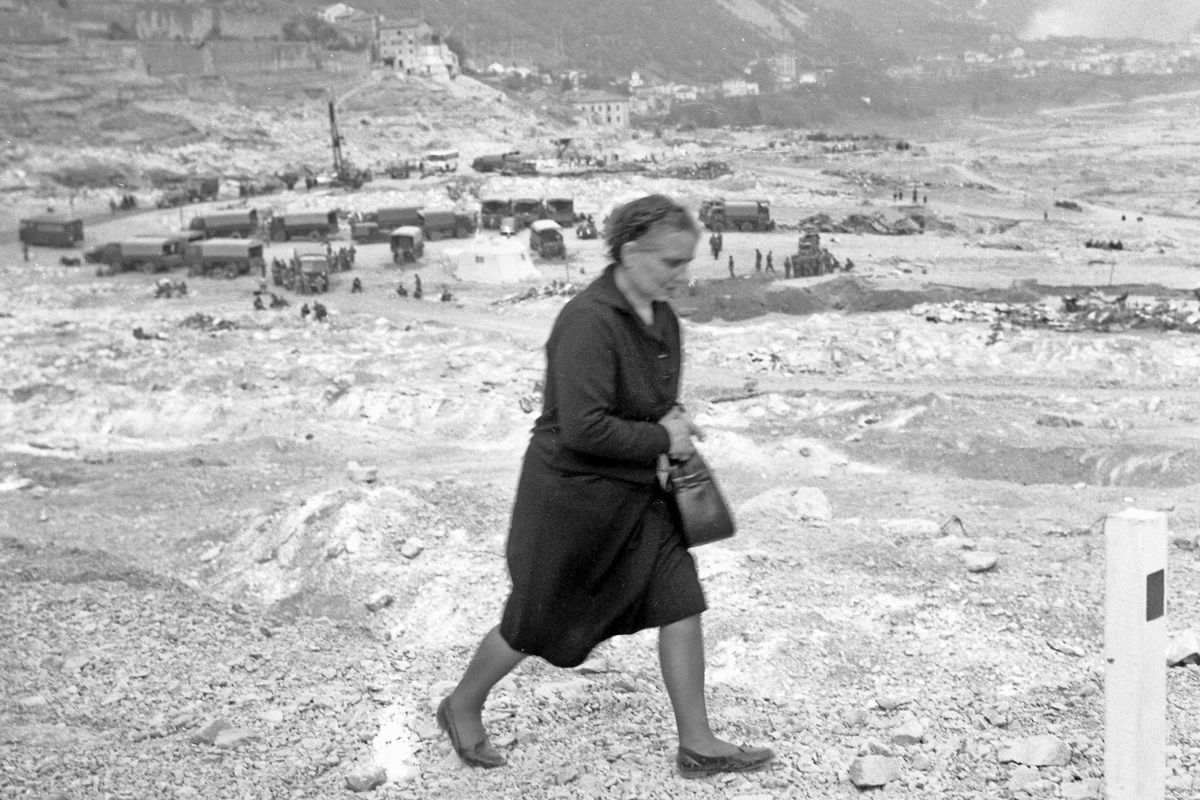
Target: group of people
1100,244
318,311
167,288
898,196
127,202
276,300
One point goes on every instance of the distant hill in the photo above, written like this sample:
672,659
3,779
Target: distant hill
707,39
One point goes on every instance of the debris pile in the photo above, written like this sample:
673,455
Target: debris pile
906,224
205,322
1094,312
553,289
703,171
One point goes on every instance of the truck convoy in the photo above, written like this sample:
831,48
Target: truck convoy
748,215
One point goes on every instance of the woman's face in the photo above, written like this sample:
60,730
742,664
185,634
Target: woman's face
658,262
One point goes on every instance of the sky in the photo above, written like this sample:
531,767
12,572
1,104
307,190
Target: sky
1147,19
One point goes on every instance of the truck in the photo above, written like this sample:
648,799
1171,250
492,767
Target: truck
377,226
527,209
314,225
310,270
546,239
441,224
200,188
50,230
147,254
195,189
228,257
561,210
492,210
494,163
408,243
227,224
742,215
391,217
439,161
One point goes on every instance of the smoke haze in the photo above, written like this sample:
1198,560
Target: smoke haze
1146,19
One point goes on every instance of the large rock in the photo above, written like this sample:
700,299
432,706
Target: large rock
979,560
801,502
364,779
870,771
1038,751
909,733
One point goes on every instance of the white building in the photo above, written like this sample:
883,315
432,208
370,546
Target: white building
600,108
412,47
737,87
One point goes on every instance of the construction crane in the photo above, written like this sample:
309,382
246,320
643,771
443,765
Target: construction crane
344,172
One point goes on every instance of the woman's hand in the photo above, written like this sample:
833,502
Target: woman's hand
681,430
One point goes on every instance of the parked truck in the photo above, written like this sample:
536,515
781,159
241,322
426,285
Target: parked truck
242,224
310,270
314,225
443,224
492,210
527,209
747,215
408,243
546,239
50,230
561,210
227,257
147,254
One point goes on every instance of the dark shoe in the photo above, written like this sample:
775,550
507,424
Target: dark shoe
480,754
747,759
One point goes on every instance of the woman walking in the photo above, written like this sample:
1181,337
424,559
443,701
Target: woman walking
593,549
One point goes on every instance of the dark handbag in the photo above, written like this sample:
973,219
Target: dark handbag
703,515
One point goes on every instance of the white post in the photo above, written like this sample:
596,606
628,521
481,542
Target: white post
1135,645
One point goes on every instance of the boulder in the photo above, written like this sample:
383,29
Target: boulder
979,560
801,502
1045,750
870,771
364,779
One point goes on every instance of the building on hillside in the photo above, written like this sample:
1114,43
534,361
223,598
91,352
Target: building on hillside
173,21
685,93
737,87
600,108
412,47
783,68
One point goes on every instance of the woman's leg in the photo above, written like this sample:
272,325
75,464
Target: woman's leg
681,654
492,661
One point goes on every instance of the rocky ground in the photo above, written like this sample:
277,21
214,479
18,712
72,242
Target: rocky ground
245,557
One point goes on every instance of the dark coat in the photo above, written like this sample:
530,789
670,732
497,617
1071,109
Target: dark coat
593,550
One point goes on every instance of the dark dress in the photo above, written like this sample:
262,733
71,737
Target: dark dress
593,549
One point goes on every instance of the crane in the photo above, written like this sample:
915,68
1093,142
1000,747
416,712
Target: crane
344,172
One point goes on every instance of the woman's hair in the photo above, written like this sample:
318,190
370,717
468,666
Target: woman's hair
635,219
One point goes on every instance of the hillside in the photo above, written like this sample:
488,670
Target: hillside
682,39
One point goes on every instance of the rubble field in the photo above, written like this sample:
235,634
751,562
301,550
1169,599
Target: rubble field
245,553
